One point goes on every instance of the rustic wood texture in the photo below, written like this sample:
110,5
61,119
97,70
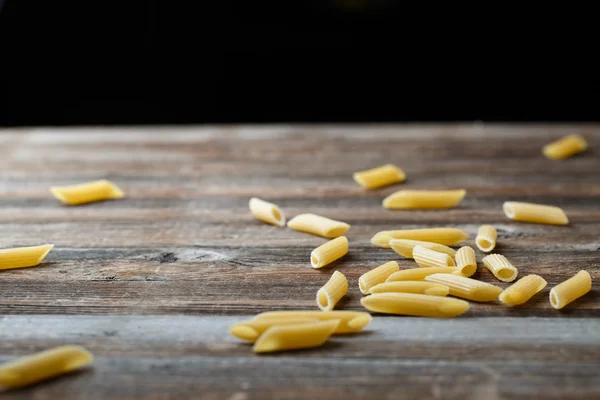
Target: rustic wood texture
184,242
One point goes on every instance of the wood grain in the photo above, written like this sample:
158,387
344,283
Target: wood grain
184,243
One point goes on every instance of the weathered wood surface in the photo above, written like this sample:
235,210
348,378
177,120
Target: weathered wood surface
176,357
184,242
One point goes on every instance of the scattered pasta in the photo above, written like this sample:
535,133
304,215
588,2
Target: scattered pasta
329,252
317,225
378,177
376,276
252,329
405,247
570,290
466,288
87,192
41,366
419,305
267,212
536,213
565,147
22,257
445,236
466,262
297,336
500,267
486,238
427,258
419,274
419,287
522,290
350,321
332,292
424,199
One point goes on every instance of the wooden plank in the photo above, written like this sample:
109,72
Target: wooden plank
193,357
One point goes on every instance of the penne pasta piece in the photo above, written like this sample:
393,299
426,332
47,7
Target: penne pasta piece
376,276
536,213
419,274
350,321
252,329
522,290
466,262
22,257
419,305
486,238
565,147
266,212
445,236
378,177
335,288
419,287
427,258
317,225
424,199
329,252
44,365
501,268
466,288
405,247
87,192
571,289
293,337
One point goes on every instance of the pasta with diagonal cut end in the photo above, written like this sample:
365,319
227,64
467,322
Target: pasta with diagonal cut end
486,238
376,276
466,288
317,225
521,291
378,177
419,274
535,213
251,330
424,199
87,192
266,212
329,252
445,236
570,290
23,257
332,291
419,287
466,262
565,147
427,258
293,337
501,268
419,305
44,365
405,247
350,321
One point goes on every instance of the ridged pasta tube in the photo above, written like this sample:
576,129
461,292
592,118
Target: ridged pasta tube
419,287
466,288
419,274
420,305
424,199
87,192
350,321
445,236
501,268
570,290
466,262
486,238
535,213
522,290
332,292
267,212
565,147
329,252
293,337
427,258
379,177
22,257
376,276
317,225
405,247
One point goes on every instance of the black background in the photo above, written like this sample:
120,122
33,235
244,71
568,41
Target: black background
159,62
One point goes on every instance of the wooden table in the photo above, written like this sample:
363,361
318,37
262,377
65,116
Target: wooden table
151,283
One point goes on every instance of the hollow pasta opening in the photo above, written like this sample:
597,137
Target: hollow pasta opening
554,300
450,261
360,321
508,210
276,214
484,245
506,273
468,270
314,260
362,286
323,300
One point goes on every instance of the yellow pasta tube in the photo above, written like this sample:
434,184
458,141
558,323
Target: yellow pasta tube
522,290
565,147
500,267
445,236
22,257
350,321
419,305
419,287
298,336
571,289
317,225
87,192
252,329
423,199
376,276
427,258
466,288
329,252
267,212
378,177
332,291
486,238
466,262
419,274
405,247
41,366
536,213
